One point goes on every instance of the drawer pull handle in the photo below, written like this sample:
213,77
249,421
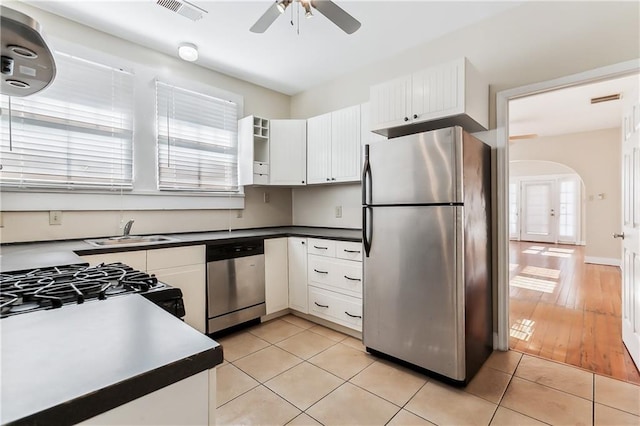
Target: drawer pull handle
353,316
322,306
321,272
320,248
351,251
352,279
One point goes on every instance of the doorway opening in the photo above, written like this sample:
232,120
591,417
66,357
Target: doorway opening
548,268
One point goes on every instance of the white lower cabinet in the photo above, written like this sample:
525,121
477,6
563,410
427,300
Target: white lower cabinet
181,267
298,274
276,274
187,402
334,277
336,307
184,268
190,279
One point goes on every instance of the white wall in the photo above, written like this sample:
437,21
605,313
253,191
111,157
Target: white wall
33,226
535,42
596,157
315,206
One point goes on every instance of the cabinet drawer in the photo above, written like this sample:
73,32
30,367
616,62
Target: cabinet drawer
339,275
173,257
260,179
349,250
344,310
322,247
260,168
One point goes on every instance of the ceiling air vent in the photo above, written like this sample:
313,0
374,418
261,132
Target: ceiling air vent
607,98
183,8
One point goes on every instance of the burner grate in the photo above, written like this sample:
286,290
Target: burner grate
49,288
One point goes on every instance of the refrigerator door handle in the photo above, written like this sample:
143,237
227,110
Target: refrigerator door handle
367,234
366,175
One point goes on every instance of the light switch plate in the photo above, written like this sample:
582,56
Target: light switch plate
338,211
55,217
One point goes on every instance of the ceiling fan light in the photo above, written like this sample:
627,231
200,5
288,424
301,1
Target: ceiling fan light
307,10
282,5
188,52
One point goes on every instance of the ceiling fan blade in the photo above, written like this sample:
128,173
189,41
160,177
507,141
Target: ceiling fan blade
337,15
266,20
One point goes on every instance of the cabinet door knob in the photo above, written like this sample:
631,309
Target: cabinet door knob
302,181
415,116
328,179
406,119
333,178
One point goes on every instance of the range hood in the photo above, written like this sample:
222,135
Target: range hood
27,63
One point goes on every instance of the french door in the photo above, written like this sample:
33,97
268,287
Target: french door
538,222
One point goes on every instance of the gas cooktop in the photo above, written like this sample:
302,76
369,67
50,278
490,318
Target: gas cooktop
53,287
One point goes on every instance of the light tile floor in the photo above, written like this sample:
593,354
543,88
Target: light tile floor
292,371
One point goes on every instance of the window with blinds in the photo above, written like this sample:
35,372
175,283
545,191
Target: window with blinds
77,133
197,141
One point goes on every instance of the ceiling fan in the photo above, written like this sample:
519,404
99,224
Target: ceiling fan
332,11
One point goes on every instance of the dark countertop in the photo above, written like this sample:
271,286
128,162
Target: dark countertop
62,366
80,247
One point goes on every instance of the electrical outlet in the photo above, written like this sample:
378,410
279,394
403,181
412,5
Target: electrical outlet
267,197
239,214
338,211
55,217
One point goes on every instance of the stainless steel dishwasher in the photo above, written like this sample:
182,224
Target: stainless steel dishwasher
235,283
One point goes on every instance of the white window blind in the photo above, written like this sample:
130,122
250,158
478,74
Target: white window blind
197,141
77,133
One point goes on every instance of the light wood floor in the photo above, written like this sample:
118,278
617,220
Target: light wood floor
566,310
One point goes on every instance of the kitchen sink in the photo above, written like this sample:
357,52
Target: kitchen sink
130,240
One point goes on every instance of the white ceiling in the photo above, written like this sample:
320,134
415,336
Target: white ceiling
570,110
279,59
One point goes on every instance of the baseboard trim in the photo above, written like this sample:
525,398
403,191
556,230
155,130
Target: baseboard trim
609,261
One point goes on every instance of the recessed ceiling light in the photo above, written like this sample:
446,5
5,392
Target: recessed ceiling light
188,52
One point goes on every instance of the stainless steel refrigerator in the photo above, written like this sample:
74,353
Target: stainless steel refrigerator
426,236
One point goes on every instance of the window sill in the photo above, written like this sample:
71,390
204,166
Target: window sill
91,201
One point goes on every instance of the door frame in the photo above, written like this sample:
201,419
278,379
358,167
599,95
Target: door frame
501,233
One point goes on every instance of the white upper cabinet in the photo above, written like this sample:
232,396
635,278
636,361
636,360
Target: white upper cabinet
390,103
444,95
253,151
333,146
319,149
288,152
345,144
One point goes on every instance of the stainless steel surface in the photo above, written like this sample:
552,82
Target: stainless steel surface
28,65
616,235
426,232
415,169
234,285
413,296
127,240
126,230
238,317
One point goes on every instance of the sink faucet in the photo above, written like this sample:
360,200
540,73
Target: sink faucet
127,228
